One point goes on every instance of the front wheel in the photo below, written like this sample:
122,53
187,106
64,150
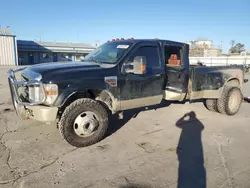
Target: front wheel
84,122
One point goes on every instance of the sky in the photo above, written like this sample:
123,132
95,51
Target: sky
93,21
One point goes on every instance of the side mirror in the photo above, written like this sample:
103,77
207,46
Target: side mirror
138,66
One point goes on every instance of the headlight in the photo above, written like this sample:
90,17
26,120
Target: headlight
51,92
36,93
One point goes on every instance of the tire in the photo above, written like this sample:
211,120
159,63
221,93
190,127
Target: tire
75,110
211,104
225,104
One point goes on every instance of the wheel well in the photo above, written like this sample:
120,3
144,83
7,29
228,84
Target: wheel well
234,82
99,95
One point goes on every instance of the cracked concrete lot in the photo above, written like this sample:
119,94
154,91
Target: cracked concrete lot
157,147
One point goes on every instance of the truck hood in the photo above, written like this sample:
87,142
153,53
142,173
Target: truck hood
60,67
67,72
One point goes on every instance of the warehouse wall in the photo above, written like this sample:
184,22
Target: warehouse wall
24,58
8,50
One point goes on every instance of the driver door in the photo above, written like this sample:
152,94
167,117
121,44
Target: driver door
138,90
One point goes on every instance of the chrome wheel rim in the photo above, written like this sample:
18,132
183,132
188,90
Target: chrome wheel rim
233,101
86,124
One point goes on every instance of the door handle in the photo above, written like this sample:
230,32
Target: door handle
158,75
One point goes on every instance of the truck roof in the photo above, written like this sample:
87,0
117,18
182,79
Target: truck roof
151,40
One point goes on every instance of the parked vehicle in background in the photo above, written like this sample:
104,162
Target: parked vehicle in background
120,75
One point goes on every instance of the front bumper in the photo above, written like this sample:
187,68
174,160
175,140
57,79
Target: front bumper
27,110
37,112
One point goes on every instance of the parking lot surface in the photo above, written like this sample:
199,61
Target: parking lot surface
154,147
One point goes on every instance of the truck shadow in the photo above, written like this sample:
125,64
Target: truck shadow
191,171
116,123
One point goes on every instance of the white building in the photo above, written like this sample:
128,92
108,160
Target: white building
203,48
204,43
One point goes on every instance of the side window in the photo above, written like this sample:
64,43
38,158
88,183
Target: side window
151,54
173,56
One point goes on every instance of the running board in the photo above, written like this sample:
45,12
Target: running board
173,96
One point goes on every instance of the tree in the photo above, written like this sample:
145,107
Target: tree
236,48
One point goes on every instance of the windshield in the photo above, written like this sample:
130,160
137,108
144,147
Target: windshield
108,52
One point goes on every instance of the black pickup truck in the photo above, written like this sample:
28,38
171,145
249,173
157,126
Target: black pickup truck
119,75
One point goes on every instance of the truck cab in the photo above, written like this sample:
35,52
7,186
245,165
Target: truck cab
165,76
119,75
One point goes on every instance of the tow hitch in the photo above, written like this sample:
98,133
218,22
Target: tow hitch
246,99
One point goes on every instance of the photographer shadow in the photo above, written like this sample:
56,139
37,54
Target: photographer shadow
191,172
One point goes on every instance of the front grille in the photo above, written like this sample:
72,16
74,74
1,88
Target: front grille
24,78
20,89
24,91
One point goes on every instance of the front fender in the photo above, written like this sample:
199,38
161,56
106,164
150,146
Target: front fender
62,98
102,95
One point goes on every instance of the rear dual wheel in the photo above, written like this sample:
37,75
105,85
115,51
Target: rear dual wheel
229,103
211,104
